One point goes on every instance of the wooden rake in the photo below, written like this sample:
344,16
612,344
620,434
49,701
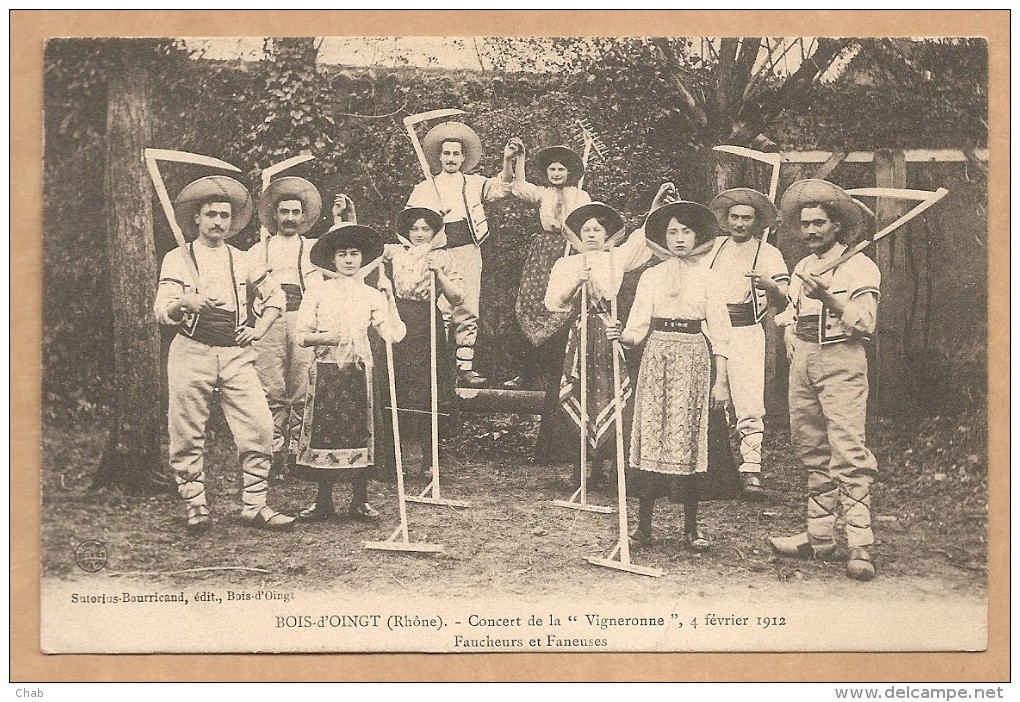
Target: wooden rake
622,548
432,494
399,540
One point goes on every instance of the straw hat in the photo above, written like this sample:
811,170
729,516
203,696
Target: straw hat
690,214
432,145
806,192
615,232
356,236
560,154
766,211
215,188
290,188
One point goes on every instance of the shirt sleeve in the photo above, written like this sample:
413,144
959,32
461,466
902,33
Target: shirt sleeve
527,192
640,318
717,318
633,252
775,266
789,315
171,287
389,326
495,188
261,280
560,291
860,314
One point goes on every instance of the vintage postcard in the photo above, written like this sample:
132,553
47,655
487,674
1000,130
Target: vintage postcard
474,343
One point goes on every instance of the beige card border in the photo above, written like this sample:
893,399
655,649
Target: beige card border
28,30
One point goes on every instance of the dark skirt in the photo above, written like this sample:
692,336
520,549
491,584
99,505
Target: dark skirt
345,435
412,359
534,318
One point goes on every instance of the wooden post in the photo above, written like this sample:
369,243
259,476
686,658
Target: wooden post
892,338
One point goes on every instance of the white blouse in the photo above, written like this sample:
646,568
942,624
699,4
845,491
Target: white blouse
348,305
562,288
680,289
554,204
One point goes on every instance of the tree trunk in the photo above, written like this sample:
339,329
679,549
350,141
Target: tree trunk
132,459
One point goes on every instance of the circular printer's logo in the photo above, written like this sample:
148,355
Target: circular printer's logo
91,556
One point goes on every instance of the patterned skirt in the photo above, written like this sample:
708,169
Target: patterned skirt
601,397
534,319
679,446
338,429
670,431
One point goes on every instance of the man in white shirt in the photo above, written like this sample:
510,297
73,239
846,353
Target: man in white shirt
453,150
212,358
288,209
754,275
831,314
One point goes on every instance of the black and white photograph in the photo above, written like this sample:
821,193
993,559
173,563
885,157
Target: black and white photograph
506,344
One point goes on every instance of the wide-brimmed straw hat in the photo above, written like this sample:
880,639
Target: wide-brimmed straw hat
691,214
409,215
432,145
215,188
766,211
615,232
290,188
560,154
813,190
356,236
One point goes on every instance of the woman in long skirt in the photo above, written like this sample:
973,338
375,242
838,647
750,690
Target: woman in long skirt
411,263
599,267
680,316
340,428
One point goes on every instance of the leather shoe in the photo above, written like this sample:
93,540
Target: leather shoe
317,513
470,379
200,526
696,542
799,546
638,540
363,513
752,489
269,519
860,566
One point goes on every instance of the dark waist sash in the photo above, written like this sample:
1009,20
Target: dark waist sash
807,327
293,293
687,326
742,314
215,327
458,234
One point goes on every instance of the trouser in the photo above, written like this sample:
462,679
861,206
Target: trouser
745,370
194,371
828,403
462,320
282,365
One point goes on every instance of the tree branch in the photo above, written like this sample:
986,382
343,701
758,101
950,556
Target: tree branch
753,118
695,109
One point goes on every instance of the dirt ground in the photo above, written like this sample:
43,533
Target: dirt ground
929,507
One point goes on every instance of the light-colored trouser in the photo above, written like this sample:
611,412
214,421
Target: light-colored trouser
282,365
828,406
745,370
194,370
462,320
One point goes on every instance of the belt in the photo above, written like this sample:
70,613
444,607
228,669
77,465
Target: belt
687,326
215,327
807,327
458,234
293,293
742,315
